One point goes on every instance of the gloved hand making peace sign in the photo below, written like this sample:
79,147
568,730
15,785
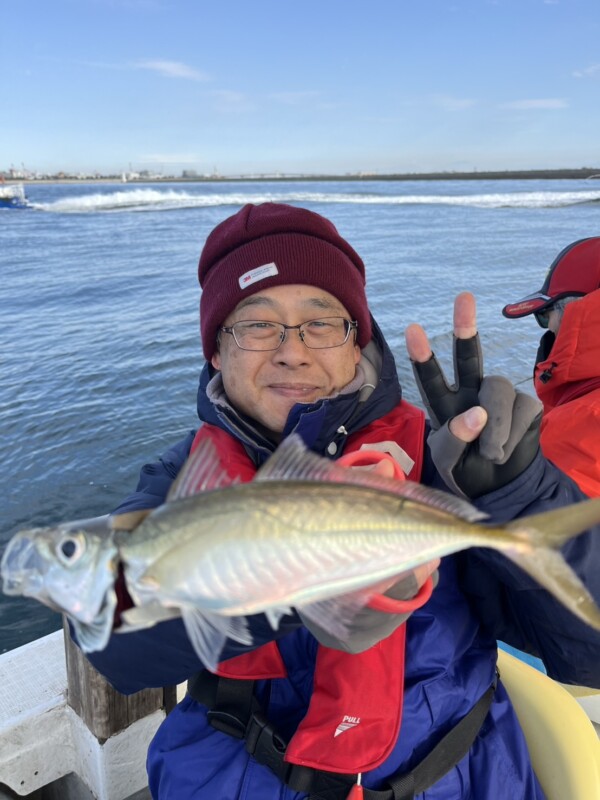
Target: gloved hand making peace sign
484,432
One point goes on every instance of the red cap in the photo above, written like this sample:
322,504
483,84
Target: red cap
273,244
574,272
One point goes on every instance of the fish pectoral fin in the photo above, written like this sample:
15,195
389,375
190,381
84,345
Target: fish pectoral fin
208,633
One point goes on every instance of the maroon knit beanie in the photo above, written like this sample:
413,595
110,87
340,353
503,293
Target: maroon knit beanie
273,244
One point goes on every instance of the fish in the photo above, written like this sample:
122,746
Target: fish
304,534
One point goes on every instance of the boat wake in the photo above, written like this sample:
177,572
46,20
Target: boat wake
169,200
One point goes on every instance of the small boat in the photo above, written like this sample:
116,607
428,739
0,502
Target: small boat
13,196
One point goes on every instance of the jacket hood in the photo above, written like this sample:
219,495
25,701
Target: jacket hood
572,369
323,425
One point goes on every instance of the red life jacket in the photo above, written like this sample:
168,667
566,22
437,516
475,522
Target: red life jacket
362,692
568,384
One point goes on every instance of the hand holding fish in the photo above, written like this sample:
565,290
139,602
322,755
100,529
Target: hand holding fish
484,432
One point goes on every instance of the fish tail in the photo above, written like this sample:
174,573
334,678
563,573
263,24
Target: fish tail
544,562
554,528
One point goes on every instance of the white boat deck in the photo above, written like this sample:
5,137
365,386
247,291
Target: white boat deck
33,679
42,740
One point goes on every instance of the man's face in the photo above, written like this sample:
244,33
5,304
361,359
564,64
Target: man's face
266,384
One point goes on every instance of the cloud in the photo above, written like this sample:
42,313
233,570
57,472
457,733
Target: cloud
544,104
588,72
449,103
172,69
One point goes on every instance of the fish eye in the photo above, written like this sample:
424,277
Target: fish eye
69,549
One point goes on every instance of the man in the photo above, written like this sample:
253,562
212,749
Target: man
291,347
567,368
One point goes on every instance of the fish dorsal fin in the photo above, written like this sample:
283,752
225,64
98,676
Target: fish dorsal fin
293,461
202,472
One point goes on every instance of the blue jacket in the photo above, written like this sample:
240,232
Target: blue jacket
451,641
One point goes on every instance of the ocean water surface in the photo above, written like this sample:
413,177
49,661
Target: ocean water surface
99,342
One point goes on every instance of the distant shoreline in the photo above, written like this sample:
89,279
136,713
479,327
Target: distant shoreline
536,174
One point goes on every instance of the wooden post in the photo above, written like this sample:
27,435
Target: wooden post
104,710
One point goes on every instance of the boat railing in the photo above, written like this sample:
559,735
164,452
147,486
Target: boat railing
63,726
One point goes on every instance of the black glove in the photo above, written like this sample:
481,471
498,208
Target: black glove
510,438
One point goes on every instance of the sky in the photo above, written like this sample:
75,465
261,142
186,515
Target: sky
299,86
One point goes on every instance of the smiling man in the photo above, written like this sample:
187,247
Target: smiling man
407,703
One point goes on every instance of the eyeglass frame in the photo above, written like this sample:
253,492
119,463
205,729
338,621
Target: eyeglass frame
351,325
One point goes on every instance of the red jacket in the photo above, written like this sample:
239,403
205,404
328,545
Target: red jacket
568,384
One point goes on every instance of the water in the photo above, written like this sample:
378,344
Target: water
99,343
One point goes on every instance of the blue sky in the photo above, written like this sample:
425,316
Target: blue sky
334,86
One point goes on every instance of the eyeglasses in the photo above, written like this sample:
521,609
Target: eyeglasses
543,317
317,334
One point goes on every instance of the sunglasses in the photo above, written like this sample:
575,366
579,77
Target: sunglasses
543,317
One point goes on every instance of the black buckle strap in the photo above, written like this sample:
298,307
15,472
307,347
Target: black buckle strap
227,723
231,703
234,710
267,746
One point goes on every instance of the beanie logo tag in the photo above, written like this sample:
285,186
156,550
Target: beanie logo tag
257,274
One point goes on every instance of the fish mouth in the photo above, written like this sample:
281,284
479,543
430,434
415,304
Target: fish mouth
22,567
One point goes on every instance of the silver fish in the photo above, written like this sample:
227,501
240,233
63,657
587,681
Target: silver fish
311,535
